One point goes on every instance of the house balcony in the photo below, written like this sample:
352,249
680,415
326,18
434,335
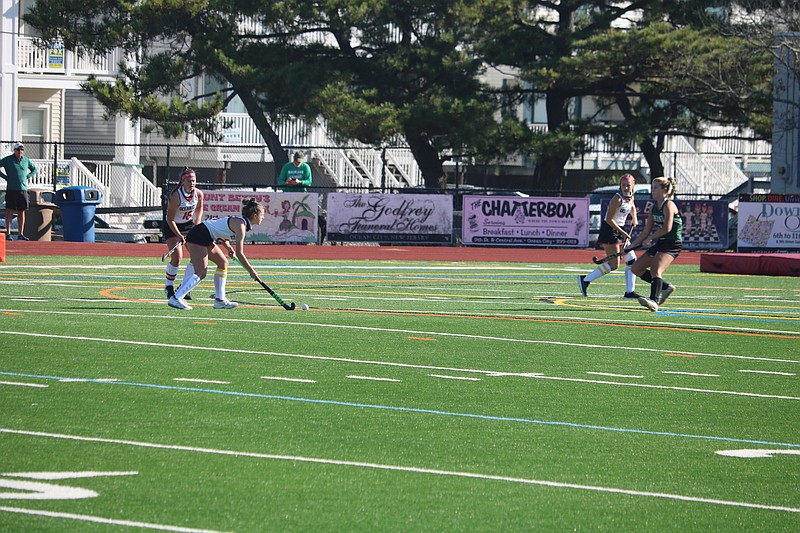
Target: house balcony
57,67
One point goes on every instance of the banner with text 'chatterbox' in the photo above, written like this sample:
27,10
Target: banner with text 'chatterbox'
526,221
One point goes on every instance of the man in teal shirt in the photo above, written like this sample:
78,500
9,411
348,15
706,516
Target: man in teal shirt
18,169
295,175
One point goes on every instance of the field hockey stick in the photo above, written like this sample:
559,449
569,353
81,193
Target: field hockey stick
171,251
624,251
288,307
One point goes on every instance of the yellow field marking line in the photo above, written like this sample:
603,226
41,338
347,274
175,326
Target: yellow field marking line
109,293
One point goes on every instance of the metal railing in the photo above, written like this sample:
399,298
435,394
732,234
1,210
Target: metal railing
57,60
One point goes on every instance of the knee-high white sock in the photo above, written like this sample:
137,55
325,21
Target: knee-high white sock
172,271
600,271
189,271
630,280
220,277
187,284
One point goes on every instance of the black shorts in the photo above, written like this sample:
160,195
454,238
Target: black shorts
609,235
662,246
200,235
17,200
183,227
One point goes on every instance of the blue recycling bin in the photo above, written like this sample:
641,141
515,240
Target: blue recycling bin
78,205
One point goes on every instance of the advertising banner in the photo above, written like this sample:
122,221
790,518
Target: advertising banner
705,222
769,223
55,56
290,217
517,221
390,218
62,174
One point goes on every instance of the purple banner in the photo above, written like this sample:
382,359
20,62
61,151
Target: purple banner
390,218
516,221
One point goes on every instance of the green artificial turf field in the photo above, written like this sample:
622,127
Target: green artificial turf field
413,396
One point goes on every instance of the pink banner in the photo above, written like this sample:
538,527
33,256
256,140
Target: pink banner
518,221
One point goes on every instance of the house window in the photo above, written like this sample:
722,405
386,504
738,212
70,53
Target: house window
33,131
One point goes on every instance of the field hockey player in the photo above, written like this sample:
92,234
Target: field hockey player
205,242
184,211
665,243
613,237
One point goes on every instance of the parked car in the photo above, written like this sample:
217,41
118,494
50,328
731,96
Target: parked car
641,191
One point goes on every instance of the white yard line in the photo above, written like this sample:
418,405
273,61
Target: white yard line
422,333
197,380
463,378
412,469
765,372
372,378
423,367
607,374
296,380
691,374
101,520
21,384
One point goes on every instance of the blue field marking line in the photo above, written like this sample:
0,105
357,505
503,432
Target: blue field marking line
407,410
697,313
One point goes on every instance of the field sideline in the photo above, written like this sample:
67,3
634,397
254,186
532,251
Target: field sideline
472,391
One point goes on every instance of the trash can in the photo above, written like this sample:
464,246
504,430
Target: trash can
78,205
39,217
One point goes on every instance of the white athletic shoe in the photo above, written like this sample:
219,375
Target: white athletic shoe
179,304
224,304
648,303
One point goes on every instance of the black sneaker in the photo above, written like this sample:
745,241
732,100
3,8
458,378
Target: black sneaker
633,295
583,285
169,290
22,238
665,292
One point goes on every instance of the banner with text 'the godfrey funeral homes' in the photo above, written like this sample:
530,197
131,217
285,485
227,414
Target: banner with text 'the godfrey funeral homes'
390,218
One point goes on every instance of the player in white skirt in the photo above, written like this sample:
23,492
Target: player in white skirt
613,237
203,243
184,211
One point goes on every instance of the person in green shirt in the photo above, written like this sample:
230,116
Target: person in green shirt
295,175
17,169
664,242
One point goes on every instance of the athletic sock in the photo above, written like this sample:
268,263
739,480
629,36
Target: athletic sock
647,277
655,288
600,271
220,277
187,284
172,271
630,280
189,271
